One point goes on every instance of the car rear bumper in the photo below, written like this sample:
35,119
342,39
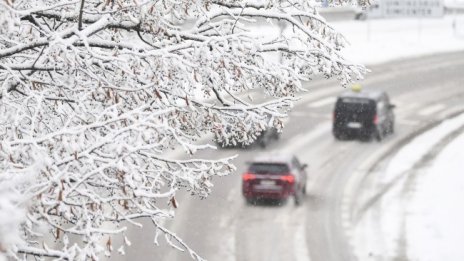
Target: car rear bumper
366,131
266,194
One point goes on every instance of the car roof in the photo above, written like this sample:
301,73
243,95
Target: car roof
373,95
273,158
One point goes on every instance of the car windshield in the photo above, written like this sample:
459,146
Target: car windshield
268,168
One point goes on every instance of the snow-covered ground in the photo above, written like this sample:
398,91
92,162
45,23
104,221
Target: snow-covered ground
434,225
420,216
381,40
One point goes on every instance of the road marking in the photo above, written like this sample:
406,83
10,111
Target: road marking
308,114
405,107
231,197
301,248
227,250
402,121
314,95
322,103
299,114
224,222
432,109
301,140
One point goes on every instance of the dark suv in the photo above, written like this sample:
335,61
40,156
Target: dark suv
274,176
363,114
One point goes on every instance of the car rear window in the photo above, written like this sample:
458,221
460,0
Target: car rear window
268,168
355,105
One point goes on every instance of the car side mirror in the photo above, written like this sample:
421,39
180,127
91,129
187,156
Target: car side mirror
304,166
392,106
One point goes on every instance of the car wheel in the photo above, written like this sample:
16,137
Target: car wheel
338,136
392,128
298,197
250,201
378,135
360,16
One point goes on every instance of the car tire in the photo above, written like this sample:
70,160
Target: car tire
249,201
360,16
298,197
338,136
392,128
378,135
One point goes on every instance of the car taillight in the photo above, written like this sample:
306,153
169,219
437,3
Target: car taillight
376,119
288,178
248,176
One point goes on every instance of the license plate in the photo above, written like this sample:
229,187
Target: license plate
267,182
354,125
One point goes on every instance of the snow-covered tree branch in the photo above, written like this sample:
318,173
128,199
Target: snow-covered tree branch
95,94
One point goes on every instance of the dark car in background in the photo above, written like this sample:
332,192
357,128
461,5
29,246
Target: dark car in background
363,114
263,140
267,136
274,176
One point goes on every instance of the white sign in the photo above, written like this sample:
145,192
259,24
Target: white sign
408,8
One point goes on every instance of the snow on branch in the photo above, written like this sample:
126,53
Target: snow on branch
97,97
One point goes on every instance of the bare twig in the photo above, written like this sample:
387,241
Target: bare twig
81,10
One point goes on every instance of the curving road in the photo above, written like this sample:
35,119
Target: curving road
223,227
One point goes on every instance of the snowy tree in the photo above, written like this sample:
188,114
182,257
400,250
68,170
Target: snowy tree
95,95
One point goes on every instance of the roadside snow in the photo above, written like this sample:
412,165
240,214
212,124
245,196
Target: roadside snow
412,153
418,218
434,225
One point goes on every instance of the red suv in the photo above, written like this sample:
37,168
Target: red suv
275,177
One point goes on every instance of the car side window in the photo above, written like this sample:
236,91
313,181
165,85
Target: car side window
387,100
380,107
296,163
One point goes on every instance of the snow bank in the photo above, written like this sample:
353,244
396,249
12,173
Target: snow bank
410,154
435,228
418,219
